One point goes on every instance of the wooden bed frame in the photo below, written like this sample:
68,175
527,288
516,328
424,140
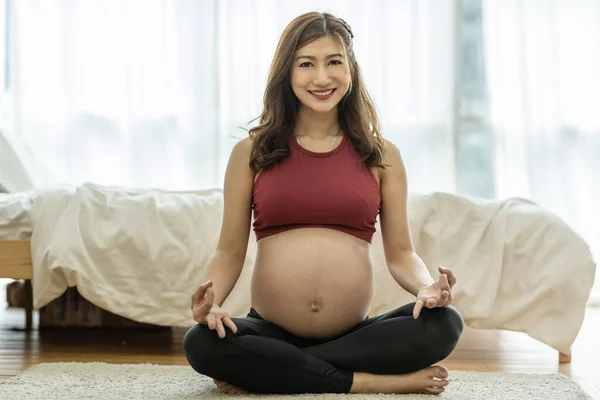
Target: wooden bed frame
16,263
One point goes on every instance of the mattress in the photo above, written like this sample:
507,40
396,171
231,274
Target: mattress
15,213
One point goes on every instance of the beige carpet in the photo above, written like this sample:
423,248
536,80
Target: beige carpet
49,381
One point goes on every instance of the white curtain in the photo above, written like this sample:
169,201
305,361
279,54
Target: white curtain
151,93
543,68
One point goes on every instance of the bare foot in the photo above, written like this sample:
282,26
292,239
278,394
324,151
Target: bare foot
431,380
228,388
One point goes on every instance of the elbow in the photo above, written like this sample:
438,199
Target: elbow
401,257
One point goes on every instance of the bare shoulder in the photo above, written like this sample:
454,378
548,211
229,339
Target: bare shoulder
239,159
242,148
392,159
391,153
238,168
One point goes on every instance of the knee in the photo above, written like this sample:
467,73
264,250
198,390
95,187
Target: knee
446,325
198,347
451,322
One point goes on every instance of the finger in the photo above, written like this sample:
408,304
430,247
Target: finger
417,309
203,307
199,318
210,295
220,328
445,285
208,302
210,319
230,324
431,303
201,291
444,298
451,276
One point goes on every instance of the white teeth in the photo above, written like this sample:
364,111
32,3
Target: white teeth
322,93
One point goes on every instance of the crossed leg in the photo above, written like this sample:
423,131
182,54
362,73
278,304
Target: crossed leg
264,358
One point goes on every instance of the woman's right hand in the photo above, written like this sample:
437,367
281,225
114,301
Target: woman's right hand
207,313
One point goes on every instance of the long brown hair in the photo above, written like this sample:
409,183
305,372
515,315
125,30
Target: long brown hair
357,115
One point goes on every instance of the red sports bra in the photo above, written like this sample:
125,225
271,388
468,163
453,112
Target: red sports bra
310,189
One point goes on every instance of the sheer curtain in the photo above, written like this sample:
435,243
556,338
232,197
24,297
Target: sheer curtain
152,93
543,63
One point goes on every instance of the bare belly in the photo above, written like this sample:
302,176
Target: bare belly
313,282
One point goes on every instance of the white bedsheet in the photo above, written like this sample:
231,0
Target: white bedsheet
139,254
15,222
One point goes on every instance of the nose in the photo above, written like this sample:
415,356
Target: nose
322,79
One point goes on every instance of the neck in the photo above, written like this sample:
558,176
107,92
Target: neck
316,125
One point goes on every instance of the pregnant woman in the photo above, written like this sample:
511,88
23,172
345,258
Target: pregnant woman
316,172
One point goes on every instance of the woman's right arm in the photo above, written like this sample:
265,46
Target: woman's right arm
225,266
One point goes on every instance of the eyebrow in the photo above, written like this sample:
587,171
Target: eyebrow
314,58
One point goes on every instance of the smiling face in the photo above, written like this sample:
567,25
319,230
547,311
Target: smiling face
320,74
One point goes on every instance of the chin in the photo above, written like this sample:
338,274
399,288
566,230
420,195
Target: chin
321,108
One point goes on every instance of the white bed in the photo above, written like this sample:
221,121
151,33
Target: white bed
139,254
15,208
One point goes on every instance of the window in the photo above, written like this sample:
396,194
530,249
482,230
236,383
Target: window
3,46
474,141
4,37
5,107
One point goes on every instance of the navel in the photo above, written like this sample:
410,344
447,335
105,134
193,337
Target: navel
315,306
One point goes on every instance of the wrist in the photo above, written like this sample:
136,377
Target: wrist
421,287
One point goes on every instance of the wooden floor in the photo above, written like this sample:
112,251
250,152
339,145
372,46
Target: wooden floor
478,350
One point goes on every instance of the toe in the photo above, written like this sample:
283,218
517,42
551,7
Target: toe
220,384
440,383
438,371
434,390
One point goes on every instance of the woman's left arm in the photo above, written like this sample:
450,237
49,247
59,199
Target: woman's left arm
404,264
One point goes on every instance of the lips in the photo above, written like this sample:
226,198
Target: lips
322,92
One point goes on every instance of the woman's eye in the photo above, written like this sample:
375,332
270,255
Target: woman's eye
306,64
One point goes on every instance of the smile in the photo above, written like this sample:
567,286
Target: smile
322,95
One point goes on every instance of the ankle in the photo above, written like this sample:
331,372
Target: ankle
362,382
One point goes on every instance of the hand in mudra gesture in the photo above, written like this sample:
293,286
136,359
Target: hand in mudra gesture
207,313
437,294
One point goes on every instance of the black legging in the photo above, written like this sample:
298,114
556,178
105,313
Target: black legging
264,358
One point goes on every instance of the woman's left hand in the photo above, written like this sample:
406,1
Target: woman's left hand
437,294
